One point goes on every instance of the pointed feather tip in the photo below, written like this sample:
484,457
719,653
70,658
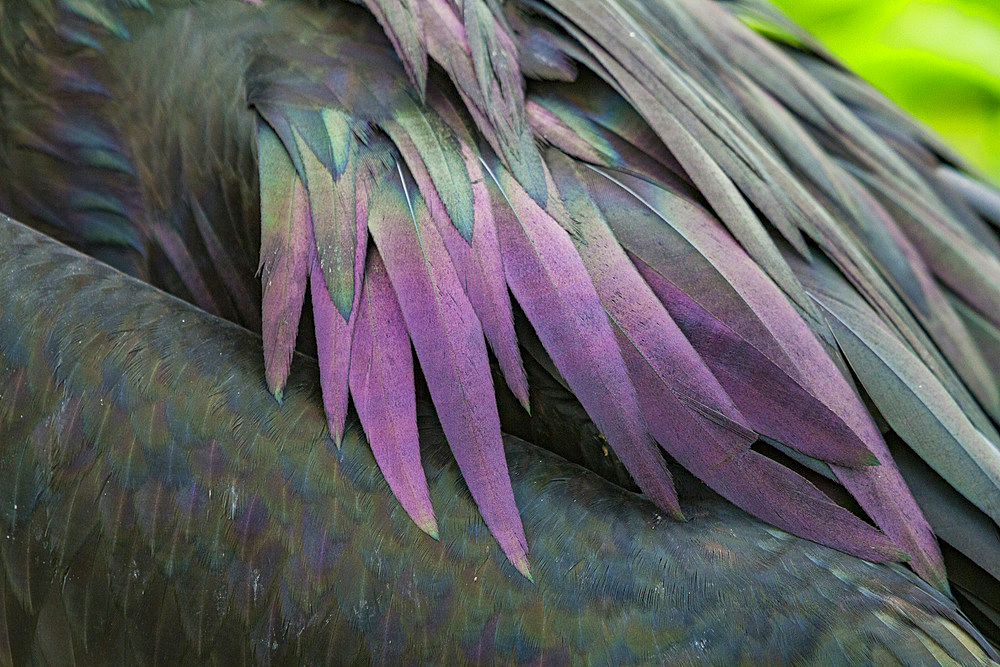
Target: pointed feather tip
429,525
521,565
336,434
463,215
419,81
939,580
887,552
520,392
464,228
275,379
344,306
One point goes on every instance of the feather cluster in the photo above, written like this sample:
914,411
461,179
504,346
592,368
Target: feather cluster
729,251
714,242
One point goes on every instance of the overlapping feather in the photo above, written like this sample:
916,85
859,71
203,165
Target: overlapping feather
670,279
449,342
382,385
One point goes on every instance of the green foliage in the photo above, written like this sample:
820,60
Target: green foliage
939,59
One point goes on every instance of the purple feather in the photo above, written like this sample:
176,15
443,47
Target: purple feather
631,305
687,411
381,379
479,265
449,342
548,279
333,333
284,255
722,459
772,399
777,405
718,275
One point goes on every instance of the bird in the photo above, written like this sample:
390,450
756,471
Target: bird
706,336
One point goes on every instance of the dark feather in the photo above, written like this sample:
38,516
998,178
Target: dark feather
724,252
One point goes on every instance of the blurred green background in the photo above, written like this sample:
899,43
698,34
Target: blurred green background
939,59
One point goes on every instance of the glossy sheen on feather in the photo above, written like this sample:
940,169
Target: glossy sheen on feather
253,535
728,236
550,283
284,266
382,385
449,342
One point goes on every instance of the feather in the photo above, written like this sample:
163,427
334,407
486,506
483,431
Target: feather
284,254
498,111
951,252
449,343
709,267
102,16
710,165
985,335
404,26
540,55
437,149
553,129
550,283
690,414
631,306
779,406
333,333
494,60
917,406
381,381
980,196
332,208
300,551
333,349
784,410
763,266
234,283
902,263
180,257
778,74
954,519
724,460
478,263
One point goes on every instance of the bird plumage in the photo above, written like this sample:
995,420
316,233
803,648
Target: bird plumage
721,246
161,507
